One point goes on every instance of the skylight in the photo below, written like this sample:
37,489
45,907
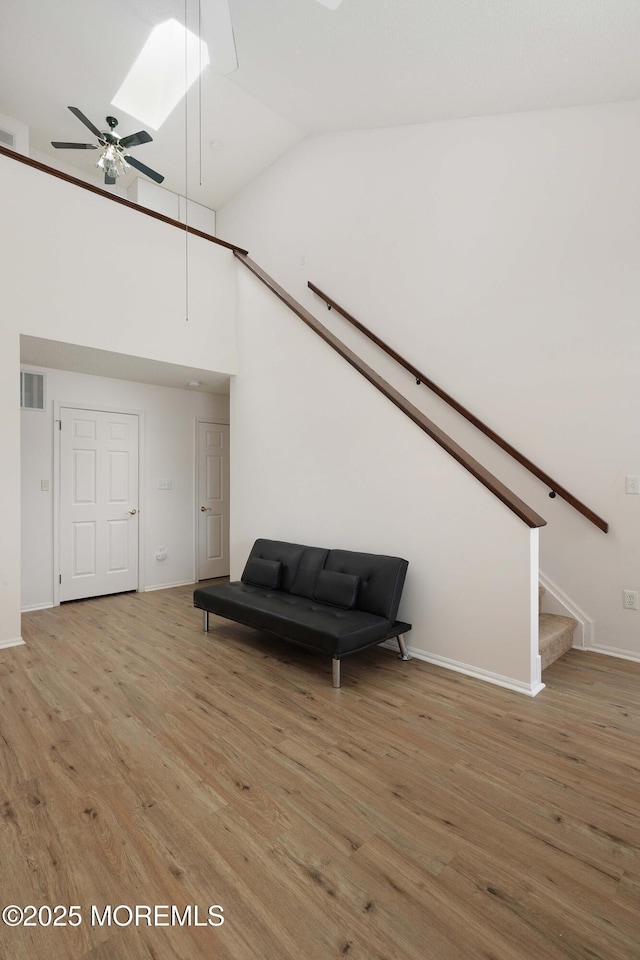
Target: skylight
170,61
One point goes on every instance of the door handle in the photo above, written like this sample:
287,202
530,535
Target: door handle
132,512
204,509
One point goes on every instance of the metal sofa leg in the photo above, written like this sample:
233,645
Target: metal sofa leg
336,672
205,621
403,655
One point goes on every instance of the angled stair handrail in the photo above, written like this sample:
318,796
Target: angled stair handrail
556,488
513,502
45,168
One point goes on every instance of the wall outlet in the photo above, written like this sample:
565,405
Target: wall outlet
161,554
44,486
164,484
632,485
630,599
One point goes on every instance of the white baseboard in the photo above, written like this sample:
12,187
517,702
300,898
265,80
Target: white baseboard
18,642
37,606
167,586
518,686
616,652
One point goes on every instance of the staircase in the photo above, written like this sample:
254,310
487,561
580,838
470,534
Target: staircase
556,635
555,631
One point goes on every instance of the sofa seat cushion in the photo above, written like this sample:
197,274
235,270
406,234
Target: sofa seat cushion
333,630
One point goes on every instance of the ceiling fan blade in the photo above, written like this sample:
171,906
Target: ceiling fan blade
217,33
135,139
81,117
144,169
109,180
73,146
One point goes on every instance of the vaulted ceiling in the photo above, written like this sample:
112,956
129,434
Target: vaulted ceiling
304,69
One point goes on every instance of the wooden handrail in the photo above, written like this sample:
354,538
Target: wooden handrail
556,488
44,168
529,516
518,506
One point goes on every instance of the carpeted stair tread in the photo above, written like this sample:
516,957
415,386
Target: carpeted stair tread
556,636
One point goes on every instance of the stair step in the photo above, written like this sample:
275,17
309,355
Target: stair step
556,636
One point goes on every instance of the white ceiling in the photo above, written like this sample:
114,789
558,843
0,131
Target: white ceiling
304,69
39,352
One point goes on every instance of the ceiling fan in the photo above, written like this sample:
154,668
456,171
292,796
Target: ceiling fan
114,159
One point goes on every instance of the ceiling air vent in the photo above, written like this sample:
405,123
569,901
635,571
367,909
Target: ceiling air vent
7,138
31,390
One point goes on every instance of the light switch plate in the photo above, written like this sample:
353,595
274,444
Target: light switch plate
164,484
632,485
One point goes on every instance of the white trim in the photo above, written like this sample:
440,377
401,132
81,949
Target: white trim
167,586
615,652
584,636
142,486
18,642
194,511
518,686
55,504
57,439
37,606
535,660
221,422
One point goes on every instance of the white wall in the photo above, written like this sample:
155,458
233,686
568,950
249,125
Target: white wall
148,194
319,456
501,256
81,269
89,271
10,486
167,447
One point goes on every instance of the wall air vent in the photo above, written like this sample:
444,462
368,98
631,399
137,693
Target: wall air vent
14,134
31,390
7,138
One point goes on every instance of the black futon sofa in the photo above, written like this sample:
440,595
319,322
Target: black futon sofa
335,601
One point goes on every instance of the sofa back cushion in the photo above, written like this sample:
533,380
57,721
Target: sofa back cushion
340,589
287,554
381,579
311,563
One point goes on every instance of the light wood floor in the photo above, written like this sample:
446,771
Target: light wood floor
415,814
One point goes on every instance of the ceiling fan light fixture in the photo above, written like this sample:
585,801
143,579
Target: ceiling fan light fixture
330,4
112,161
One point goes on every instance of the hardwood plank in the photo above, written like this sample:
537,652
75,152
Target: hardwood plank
413,813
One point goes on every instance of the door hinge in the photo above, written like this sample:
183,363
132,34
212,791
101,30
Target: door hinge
60,579
59,424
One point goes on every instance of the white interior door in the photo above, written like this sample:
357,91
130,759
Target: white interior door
213,500
98,503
